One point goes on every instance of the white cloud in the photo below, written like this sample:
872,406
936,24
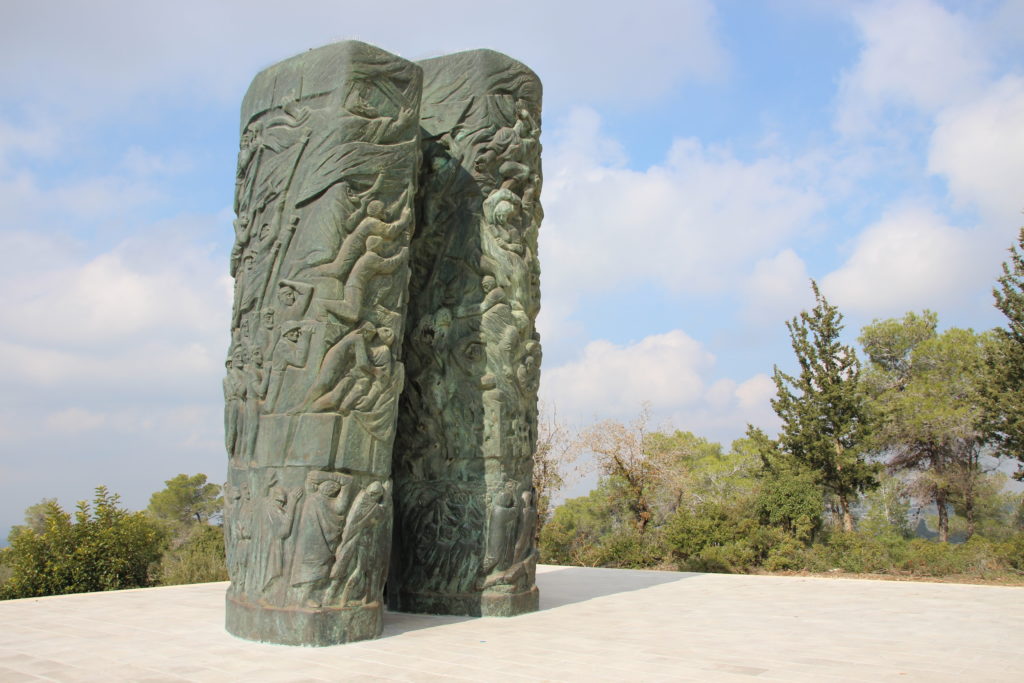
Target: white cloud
98,54
665,369
110,363
777,288
37,140
671,371
979,148
74,420
916,53
909,260
690,224
61,299
140,162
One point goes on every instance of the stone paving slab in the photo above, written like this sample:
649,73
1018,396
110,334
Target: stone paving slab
594,625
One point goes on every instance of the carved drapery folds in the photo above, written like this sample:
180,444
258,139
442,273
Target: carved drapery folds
327,330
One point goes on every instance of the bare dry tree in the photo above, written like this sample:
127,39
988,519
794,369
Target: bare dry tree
553,461
620,451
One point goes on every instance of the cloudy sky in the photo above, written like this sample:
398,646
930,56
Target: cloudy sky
702,161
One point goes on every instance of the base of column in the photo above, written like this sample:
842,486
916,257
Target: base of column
302,626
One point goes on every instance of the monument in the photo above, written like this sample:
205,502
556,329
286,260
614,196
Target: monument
383,319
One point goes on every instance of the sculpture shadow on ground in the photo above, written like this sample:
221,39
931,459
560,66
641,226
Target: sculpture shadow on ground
561,586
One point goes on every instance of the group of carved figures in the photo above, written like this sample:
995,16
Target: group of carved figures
327,542
474,353
324,342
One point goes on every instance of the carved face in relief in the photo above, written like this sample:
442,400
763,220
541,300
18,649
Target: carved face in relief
375,491
330,488
503,212
286,295
268,316
279,496
375,209
386,335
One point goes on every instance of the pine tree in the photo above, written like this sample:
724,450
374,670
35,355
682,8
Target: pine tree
825,417
1002,389
924,386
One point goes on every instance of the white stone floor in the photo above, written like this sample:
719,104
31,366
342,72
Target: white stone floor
594,625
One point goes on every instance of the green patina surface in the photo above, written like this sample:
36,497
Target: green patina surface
383,320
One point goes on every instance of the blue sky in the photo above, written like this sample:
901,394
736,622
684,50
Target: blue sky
702,161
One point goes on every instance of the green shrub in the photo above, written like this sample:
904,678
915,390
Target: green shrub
199,559
1011,551
791,499
628,549
104,547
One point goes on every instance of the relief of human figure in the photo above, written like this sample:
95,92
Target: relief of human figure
528,370
527,528
257,384
242,233
321,525
502,209
276,524
235,391
371,250
365,546
241,534
232,498
291,350
366,122
252,279
501,532
345,365
294,298
268,154
330,218
382,367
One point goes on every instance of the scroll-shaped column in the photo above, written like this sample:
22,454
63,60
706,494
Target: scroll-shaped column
465,515
324,197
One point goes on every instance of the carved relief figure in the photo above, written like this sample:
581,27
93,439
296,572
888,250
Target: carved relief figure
320,528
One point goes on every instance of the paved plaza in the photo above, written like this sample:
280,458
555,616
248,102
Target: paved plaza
594,625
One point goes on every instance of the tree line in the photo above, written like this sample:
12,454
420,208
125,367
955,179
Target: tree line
103,546
916,422
916,425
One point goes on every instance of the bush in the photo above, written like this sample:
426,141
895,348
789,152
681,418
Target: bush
791,499
628,549
104,547
1011,551
198,559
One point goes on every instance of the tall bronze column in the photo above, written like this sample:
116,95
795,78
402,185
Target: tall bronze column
324,199
465,516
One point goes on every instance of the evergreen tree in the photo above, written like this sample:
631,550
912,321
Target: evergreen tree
925,389
824,413
1002,390
187,500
